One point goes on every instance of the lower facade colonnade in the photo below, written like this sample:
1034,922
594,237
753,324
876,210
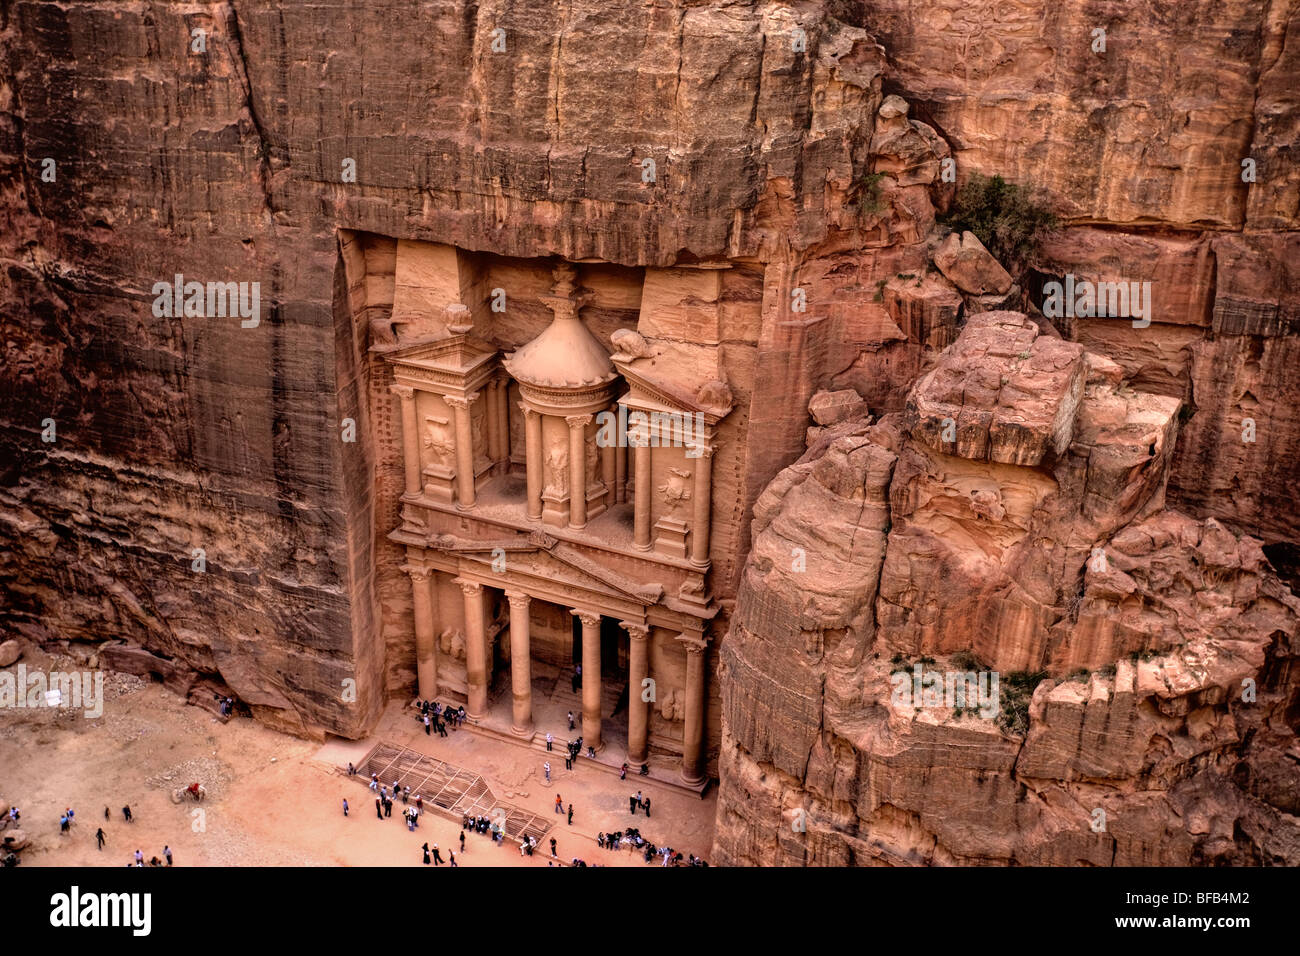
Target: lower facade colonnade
641,689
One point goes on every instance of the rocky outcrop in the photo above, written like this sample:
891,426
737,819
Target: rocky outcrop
965,261
1144,658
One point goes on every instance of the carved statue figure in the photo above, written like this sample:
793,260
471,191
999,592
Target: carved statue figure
675,488
557,470
593,471
672,705
437,438
629,343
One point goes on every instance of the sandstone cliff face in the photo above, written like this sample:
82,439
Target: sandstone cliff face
764,123
1149,702
213,140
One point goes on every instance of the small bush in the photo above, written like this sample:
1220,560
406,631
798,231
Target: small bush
869,193
1004,216
1015,690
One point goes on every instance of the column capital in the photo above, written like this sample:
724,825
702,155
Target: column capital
587,618
518,600
405,392
456,401
527,410
576,421
635,632
694,643
469,587
418,575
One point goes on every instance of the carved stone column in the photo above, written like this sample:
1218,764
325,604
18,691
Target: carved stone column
638,709
410,440
533,456
503,424
590,678
521,679
701,498
641,493
475,648
464,450
426,648
693,733
493,423
578,469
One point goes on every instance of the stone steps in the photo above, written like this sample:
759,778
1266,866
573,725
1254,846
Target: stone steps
661,776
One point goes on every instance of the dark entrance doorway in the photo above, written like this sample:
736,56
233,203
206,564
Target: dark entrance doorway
613,647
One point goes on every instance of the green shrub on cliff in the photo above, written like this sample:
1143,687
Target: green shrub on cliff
1004,216
1015,690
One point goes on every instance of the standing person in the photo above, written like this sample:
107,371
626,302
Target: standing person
559,804
553,847
634,802
646,803
379,808
546,767
442,728
167,854
437,857
415,817
126,813
462,841
452,856
139,858
63,824
99,837
71,816
568,761
425,848
106,813
570,814
570,720
374,782
419,803
426,725
388,808
345,806
549,740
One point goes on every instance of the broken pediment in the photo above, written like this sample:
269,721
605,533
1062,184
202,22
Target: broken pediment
561,565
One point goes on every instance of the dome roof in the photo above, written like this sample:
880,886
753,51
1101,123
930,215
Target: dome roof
565,354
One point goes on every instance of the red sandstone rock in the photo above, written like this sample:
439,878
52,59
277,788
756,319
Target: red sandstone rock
1067,563
965,261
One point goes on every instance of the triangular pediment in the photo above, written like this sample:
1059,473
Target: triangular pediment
651,389
458,353
542,558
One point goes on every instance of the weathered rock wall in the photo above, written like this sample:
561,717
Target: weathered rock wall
1010,522
226,163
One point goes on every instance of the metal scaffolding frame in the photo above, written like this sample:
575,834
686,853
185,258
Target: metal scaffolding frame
452,791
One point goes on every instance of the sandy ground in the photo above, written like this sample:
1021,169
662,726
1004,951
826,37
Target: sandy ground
274,800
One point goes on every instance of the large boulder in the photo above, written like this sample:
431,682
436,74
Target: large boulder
831,408
10,651
969,265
